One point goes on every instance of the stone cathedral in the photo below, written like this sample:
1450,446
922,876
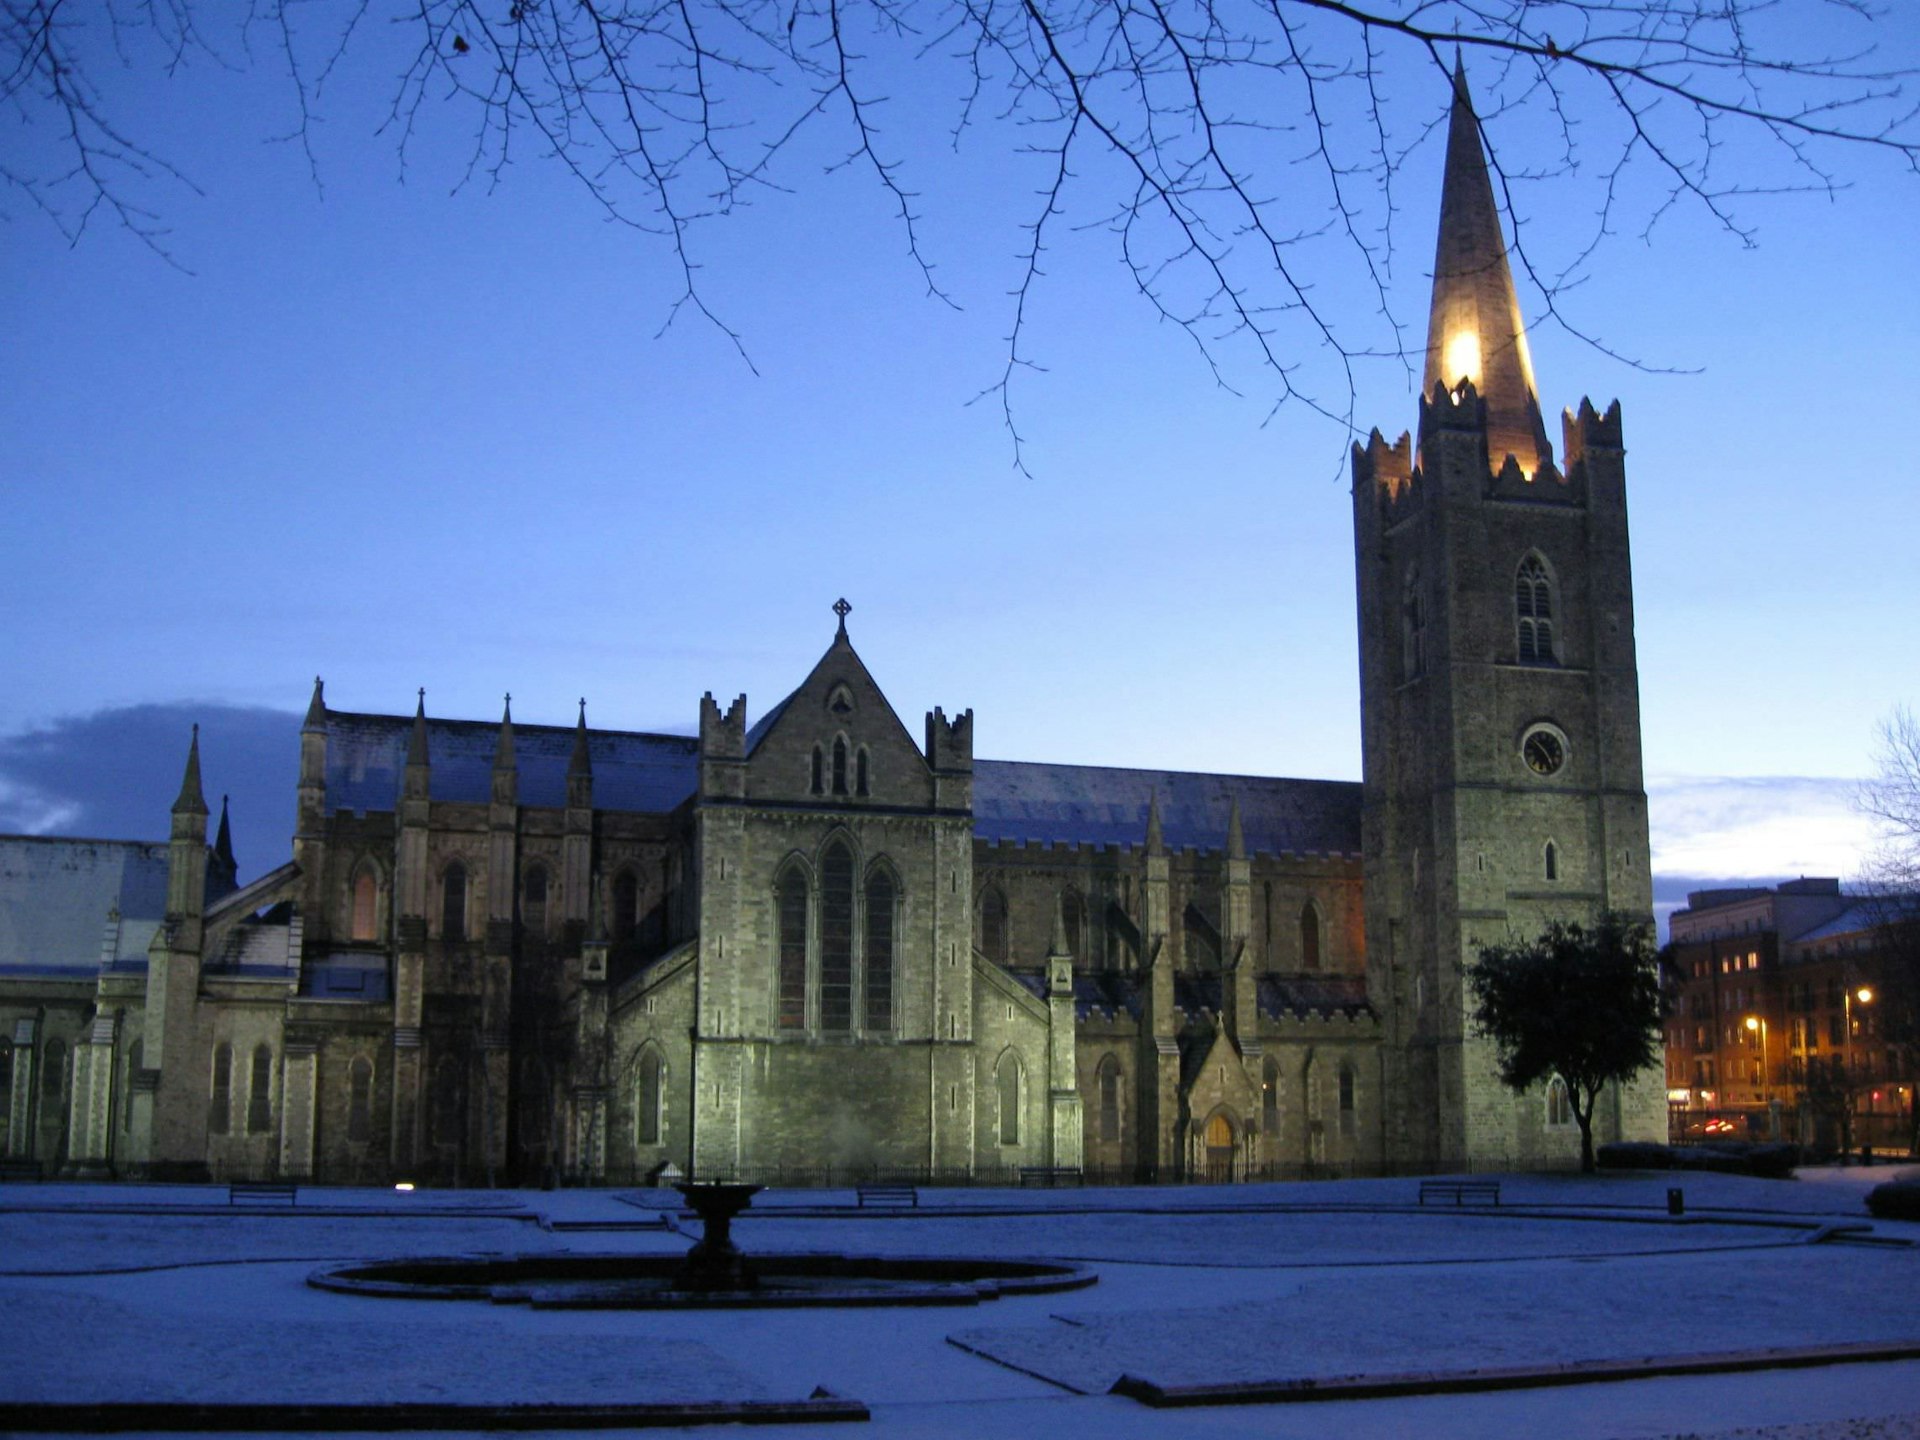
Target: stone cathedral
812,946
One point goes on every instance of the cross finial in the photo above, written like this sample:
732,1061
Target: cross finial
423,692
840,608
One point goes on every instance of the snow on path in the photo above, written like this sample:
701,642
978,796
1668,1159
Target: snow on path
1454,1318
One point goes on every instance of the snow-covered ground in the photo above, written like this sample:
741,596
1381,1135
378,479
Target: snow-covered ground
125,1293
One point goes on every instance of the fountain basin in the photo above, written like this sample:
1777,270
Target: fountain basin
573,1281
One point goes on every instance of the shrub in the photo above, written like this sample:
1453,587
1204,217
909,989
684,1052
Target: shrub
1634,1155
1728,1157
1895,1200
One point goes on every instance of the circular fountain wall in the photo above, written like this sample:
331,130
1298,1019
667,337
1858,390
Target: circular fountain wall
642,1282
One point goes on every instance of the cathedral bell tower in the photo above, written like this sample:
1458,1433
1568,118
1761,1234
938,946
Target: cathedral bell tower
1500,709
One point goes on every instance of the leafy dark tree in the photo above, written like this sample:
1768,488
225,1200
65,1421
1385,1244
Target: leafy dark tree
1237,157
1583,1003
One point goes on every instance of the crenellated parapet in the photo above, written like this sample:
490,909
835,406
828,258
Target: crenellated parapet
1387,473
723,747
1592,440
1544,485
949,742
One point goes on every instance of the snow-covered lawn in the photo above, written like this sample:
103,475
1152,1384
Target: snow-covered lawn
192,1299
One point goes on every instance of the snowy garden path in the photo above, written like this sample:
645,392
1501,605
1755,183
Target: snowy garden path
187,1299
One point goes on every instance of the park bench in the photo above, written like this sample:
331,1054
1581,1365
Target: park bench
887,1197
19,1169
1461,1192
262,1190
1049,1175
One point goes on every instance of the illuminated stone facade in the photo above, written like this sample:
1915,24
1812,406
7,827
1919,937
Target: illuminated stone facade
818,948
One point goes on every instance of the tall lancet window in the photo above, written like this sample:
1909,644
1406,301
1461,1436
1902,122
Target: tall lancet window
836,939
1533,613
879,952
1413,628
453,902
792,904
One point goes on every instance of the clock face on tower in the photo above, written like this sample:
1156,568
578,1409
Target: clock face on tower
1544,749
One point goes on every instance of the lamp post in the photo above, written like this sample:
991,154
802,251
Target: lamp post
1864,994
1757,1022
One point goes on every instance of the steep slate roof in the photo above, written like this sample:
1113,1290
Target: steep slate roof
367,758
1017,801
55,895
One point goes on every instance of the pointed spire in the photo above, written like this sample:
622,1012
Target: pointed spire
417,746
191,801
503,752
1474,329
317,707
1236,838
223,841
1155,843
581,762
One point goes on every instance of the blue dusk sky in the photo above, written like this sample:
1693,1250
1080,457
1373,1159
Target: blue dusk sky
400,431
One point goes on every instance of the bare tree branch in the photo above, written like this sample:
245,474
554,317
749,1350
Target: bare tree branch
1240,154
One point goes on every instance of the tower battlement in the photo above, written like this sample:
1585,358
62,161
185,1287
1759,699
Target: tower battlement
1385,474
723,736
950,742
1586,429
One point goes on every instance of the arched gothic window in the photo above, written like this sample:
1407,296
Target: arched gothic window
647,1095
1109,1085
1006,1089
366,905
1559,1104
860,772
819,785
1551,857
626,906
260,1092
993,924
839,766
360,1100
1533,612
533,901
1413,628
791,901
1309,937
879,949
453,902
1348,1109
447,1101
54,1082
836,939
220,1100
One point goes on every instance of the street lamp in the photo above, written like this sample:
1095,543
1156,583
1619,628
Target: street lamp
1756,1022
1865,996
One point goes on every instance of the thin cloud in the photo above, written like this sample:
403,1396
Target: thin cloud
1756,826
113,775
